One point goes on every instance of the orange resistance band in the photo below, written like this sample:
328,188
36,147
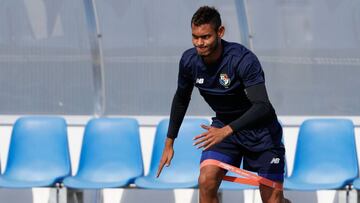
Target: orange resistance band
249,178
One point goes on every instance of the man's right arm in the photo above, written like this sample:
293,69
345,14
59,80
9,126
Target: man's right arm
178,109
179,106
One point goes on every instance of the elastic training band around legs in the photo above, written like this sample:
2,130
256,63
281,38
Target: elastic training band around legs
248,177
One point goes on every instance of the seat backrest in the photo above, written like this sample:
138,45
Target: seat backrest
38,149
325,151
111,150
282,140
185,164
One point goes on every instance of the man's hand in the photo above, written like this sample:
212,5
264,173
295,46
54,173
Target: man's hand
167,155
212,136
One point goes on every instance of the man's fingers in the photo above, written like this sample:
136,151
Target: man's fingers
203,145
168,162
165,161
206,127
208,145
199,141
200,136
161,166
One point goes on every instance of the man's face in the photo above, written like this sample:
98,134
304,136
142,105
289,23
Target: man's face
205,38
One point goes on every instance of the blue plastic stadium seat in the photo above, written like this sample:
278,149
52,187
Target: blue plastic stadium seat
38,154
184,169
325,156
110,155
356,184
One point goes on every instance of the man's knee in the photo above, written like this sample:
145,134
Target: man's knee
208,183
209,180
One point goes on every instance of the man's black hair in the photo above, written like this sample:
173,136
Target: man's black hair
207,15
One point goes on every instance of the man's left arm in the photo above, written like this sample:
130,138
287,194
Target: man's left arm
261,109
253,78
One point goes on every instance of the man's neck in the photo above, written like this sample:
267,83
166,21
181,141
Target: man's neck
215,56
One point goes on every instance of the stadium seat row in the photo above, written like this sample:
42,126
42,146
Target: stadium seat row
325,156
110,155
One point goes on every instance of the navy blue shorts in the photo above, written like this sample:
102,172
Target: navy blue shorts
254,149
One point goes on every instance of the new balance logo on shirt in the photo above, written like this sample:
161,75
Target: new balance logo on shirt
275,161
199,80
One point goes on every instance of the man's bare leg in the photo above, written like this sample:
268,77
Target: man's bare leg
209,182
271,195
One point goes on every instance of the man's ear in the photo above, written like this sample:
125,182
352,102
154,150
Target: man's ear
221,31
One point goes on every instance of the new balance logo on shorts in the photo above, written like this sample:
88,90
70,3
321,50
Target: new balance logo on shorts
275,161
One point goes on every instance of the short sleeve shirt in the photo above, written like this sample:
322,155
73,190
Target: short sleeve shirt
223,84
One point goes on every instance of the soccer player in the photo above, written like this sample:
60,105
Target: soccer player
245,128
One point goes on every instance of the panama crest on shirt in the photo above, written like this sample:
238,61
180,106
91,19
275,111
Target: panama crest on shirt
224,80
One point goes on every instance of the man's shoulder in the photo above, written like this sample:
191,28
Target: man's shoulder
242,54
235,49
189,56
189,53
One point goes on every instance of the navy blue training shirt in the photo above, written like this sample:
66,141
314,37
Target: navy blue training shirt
223,85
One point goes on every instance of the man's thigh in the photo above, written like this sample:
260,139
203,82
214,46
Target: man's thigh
269,164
